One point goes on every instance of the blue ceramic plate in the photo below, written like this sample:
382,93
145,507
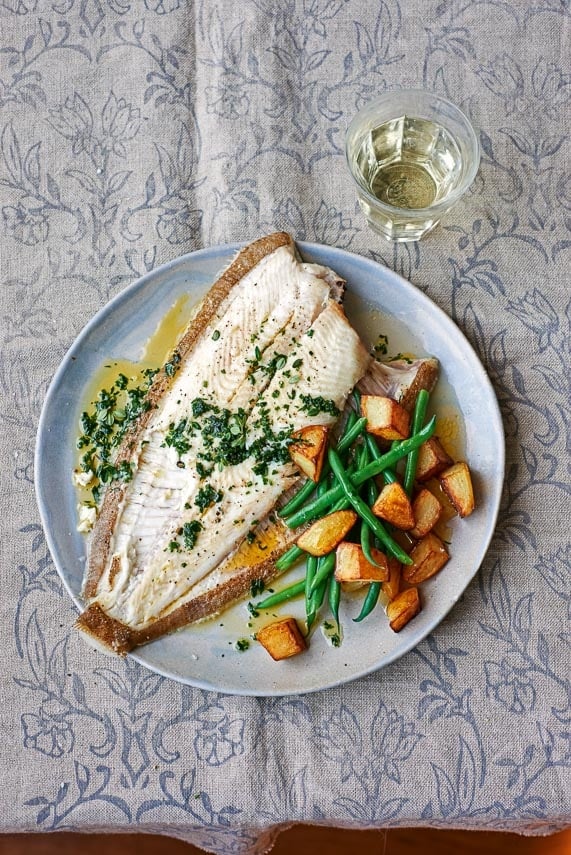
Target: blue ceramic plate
378,300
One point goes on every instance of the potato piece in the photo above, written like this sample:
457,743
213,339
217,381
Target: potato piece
308,452
427,511
282,639
429,556
392,586
327,533
403,608
385,418
393,505
352,566
432,459
457,484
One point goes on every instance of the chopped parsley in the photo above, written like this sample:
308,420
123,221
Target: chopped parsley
276,363
104,427
177,437
174,546
207,496
202,471
215,335
401,356
242,644
199,407
190,532
172,366
382,345
256,587
313,405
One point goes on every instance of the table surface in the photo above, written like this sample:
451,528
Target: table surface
133,131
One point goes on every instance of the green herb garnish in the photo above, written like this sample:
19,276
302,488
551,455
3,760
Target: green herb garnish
313,405
207,496
190,532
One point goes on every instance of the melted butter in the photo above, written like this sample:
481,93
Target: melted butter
250,554
450,430
169,331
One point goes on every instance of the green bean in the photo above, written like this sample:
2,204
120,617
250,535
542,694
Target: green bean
364,510
417,422
334,598
351,435
388,474
281,596
326,567
370,601
311,568
351,419
320,506
353,428
318,596
299,499
289,558
366,531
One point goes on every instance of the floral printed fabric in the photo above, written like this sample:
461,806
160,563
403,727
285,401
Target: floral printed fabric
133,131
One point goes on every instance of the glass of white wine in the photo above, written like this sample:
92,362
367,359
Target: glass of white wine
412,155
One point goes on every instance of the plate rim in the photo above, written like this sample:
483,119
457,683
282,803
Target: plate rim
230,249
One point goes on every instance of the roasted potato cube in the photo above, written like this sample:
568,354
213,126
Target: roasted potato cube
429,556
392,586
393,505
432,459
352,566
282,639
327,533
385,417
427,510
403,608
308,452
457,484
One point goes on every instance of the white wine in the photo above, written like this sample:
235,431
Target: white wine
412,155
409,162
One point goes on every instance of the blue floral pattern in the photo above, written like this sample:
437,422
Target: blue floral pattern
133,131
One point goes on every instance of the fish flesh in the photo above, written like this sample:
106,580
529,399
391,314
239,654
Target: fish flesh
269,352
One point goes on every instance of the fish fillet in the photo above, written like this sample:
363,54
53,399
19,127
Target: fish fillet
269,352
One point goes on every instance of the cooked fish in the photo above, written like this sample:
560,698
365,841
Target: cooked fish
269,352
401,379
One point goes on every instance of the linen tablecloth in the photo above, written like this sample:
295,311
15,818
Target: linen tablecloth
133,131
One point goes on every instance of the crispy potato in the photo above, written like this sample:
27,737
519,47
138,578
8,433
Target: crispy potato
327,533
429,556
392,586
427,511
403,608
308,452
282,639
457,484
393,505
432,459
385,417
352,566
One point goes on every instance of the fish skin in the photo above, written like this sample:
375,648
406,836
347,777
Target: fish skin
98,620
401,379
